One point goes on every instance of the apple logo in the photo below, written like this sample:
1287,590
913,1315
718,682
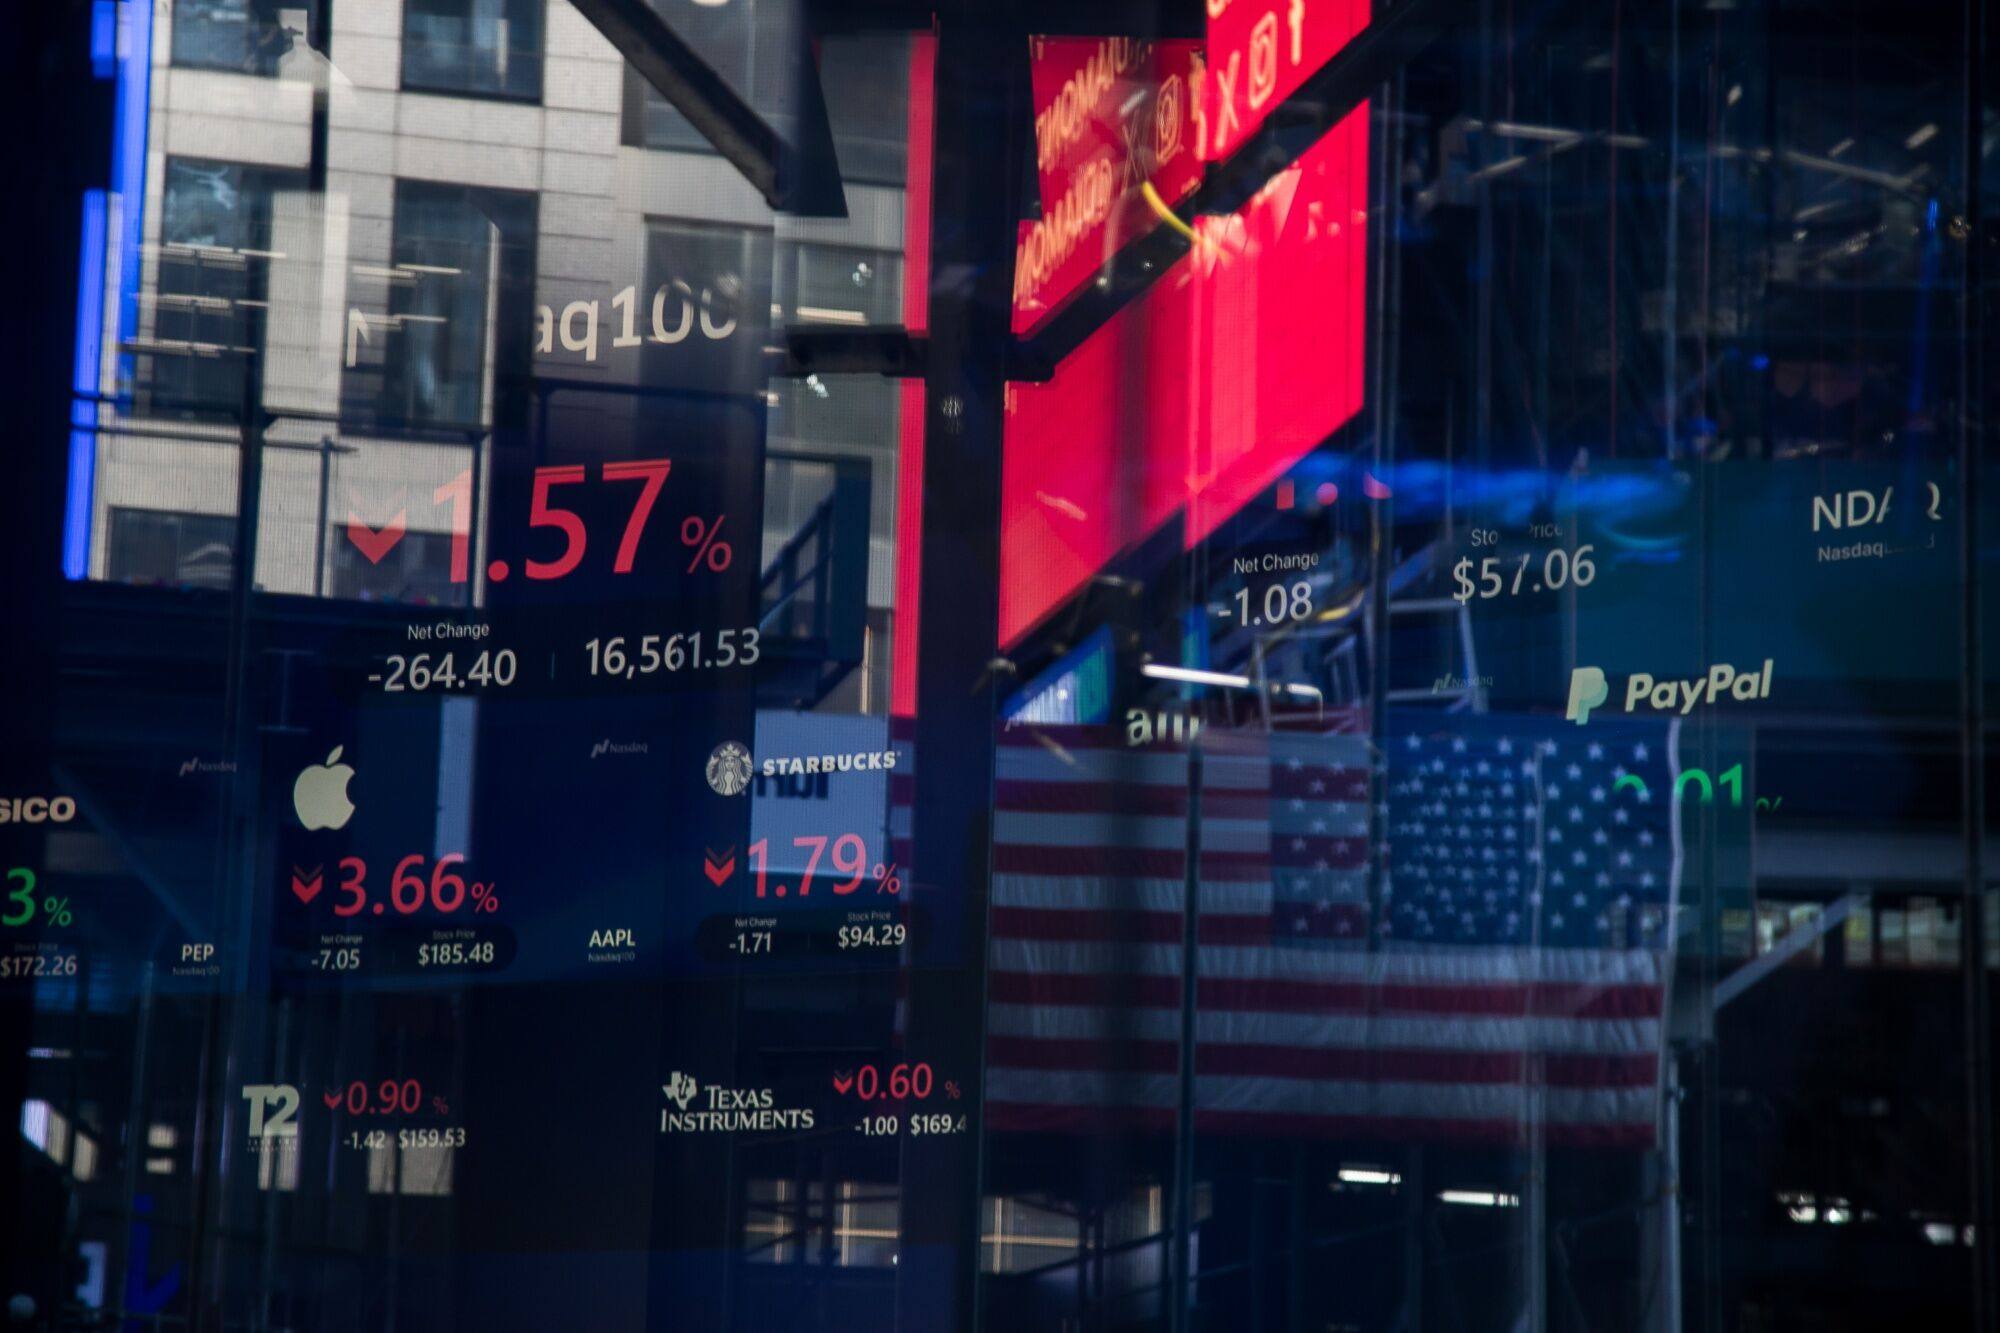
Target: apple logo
320,794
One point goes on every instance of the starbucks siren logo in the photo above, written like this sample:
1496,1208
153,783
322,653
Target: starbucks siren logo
729,768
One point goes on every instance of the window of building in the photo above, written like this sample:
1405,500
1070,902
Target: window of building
463,265
241,36
418,570
839,284
209,299
709,284
864,82
153,546
477,48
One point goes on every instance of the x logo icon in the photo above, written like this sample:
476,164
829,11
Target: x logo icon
1226,80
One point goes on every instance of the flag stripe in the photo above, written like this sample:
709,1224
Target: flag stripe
1317,1031
1539,999
1334,1097
1120,1120
1557,966
1255,1060
1486,992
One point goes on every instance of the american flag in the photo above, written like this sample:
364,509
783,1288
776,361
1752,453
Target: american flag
1505,978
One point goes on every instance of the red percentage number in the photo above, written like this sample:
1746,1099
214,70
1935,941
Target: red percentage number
409,889
850,858
706,538
390,1097
904,1083
651,473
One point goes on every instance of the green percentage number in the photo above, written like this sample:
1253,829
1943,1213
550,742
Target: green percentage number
23,897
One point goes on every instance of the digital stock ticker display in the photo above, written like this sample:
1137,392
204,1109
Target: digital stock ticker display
763,665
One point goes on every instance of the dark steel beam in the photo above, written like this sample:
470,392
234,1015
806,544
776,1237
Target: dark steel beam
1294,126
880,349
800,183
982,118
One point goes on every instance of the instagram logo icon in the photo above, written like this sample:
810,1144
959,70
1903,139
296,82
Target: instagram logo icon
1263,59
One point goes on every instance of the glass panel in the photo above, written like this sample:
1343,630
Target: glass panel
474,47
239,36
759,665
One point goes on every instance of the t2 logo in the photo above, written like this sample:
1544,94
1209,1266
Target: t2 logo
274,1110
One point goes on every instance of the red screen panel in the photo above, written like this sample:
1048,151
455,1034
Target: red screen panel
1243,357
1111,113
1259,52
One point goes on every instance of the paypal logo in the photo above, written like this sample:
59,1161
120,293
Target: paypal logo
1588,689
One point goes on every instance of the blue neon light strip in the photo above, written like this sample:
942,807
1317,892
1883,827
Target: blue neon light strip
103,38
121,38
83,408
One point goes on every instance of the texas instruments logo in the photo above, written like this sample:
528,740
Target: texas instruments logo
711,1108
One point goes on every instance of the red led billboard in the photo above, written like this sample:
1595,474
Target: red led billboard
1111,115
1259,52
1236,362
1239,360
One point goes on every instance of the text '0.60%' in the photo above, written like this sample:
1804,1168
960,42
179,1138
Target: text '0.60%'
652,653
